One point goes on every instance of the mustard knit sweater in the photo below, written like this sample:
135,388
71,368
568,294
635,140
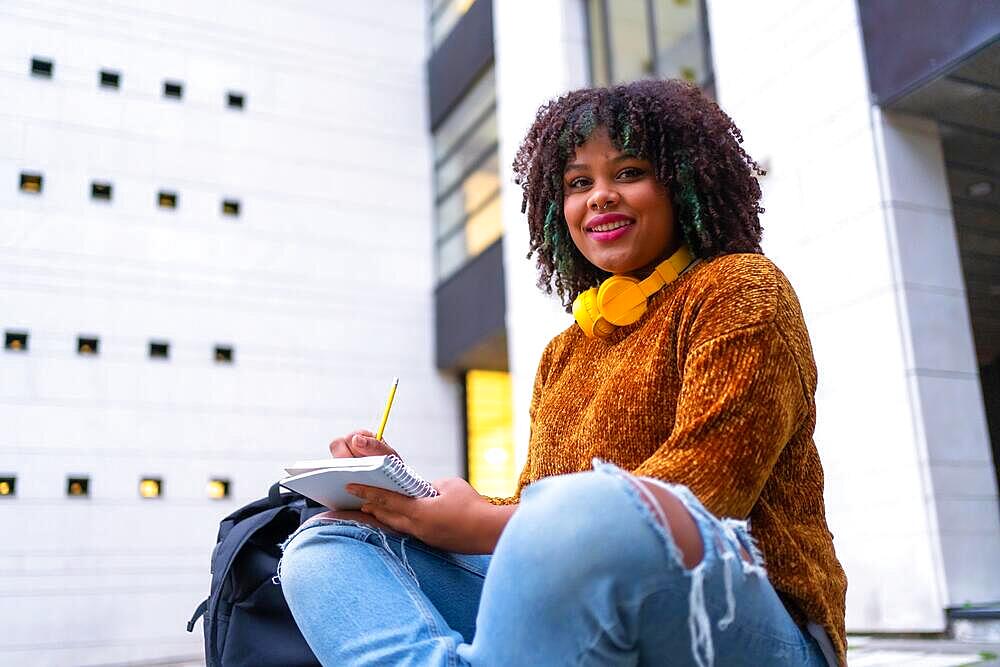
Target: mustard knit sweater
712,388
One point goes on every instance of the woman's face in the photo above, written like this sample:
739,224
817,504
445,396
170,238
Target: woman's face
620,217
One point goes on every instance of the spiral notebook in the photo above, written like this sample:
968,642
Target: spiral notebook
323,480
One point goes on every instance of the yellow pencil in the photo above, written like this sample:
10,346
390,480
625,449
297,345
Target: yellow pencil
388,405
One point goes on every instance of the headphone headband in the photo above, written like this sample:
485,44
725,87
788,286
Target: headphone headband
621,300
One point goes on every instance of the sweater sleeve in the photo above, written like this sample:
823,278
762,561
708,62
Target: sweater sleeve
741,400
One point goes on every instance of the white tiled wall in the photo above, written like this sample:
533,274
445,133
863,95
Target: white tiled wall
323,285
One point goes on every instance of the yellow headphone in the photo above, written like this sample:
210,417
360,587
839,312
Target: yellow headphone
621,300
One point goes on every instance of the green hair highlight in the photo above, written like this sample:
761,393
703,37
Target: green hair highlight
554,239
689,204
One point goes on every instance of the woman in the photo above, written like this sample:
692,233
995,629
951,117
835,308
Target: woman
687,378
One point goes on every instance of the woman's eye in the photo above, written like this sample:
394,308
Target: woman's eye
630,172
579,182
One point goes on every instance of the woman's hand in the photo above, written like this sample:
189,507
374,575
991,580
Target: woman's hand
359,443
458,519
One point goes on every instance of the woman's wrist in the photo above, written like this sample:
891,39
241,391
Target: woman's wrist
491,524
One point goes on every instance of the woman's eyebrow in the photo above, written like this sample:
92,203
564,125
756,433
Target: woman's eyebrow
618,158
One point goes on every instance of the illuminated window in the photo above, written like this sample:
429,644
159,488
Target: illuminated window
110,79
86,345
41,68
166,199
78,487
159,350
218,489
16,341
173,89
235,100
151,487
231,207
224,354
8,485
100,191
489,424
31,182
467,179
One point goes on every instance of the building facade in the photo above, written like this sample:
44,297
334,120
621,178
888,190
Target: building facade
216,254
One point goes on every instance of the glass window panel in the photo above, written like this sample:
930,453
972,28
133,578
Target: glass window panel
598,45
476,189
477,149
483,228
444,15
480,98
680,41
629,26
489,419
451,254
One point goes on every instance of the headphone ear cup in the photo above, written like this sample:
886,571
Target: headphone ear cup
587,314
620,300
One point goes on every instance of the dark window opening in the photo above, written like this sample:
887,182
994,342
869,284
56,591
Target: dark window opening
173,89
151,487
8,485
78,486
235,100
167,199
16,340
87,345
159,350
231,207
218,488
41,67
224,354
99,190
31,182
110,79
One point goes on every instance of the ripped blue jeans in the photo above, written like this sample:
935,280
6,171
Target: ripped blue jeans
584,574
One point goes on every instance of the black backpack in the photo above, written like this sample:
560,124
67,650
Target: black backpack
247,622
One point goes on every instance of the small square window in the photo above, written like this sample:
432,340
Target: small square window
85,345
166,199
159,350
78,487
151,487
41,67
231,207
31,182
100,190
224,354
218,488
110,79
8,485
173,89
16,341
235,100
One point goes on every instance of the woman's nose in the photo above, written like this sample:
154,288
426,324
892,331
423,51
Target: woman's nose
603,199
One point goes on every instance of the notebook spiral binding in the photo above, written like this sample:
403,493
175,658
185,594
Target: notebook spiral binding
410,482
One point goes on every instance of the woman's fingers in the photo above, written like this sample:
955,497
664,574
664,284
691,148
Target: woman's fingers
341,448
365,444
390,508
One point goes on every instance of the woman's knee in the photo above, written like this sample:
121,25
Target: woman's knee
592,508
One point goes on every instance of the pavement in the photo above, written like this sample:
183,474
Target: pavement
863,651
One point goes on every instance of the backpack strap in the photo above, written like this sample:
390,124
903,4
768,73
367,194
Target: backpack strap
198,613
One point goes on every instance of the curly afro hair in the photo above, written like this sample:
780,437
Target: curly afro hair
695,151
